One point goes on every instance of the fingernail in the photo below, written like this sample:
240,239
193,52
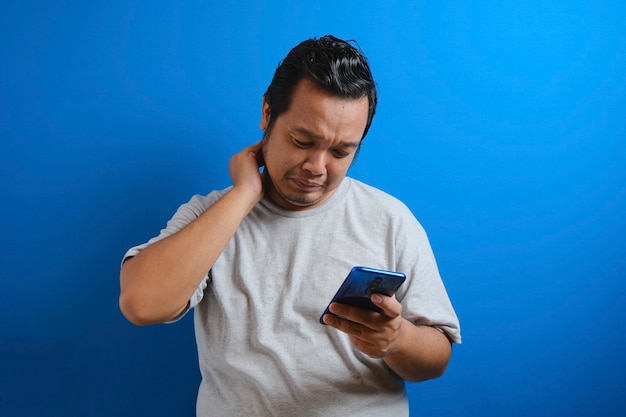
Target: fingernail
376,298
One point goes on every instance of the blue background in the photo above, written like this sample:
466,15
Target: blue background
501,124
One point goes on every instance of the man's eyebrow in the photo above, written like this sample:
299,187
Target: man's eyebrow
314,136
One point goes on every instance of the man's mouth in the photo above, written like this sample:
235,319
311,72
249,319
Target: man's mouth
305,185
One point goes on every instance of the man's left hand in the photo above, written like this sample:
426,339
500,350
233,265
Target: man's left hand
374,334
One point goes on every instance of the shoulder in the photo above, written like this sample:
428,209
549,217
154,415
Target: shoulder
185,214
192,209
376,205
200,203
370,195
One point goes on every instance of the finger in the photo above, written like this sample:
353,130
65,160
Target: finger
336,322
368,348
259,159
354,314
256,147
390,306
372,343
356,331
257,151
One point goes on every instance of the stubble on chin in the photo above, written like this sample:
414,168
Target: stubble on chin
277,195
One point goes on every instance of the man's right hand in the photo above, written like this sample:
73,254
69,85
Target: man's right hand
244,170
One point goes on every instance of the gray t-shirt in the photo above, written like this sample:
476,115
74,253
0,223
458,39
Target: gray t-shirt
262,350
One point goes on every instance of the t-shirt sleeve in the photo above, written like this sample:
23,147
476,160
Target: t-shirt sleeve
424,298
185,214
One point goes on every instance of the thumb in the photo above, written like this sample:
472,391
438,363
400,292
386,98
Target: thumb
390,306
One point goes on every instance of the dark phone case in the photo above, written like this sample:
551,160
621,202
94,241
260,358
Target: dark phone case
361,283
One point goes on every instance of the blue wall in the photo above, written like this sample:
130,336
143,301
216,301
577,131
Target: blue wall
501,124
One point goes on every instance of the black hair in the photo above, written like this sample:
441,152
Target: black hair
329,62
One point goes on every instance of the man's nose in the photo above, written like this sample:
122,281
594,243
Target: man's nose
315,163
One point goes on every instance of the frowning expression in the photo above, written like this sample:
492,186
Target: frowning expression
309,148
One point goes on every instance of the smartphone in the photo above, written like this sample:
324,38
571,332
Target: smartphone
361,283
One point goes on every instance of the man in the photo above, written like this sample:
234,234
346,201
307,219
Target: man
260,260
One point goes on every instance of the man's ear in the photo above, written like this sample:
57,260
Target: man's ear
265,114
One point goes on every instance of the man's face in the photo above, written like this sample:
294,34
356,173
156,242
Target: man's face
310,147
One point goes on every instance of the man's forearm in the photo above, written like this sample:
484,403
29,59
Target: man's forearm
421,353
157,284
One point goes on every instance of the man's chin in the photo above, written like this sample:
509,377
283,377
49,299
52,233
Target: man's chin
302,201
297,201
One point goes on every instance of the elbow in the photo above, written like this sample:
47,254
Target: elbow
145,299
133,301
434,365
133,312
425,374
435,372
137,309
439,364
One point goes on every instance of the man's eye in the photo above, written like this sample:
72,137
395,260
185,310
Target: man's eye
340,154
301,144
